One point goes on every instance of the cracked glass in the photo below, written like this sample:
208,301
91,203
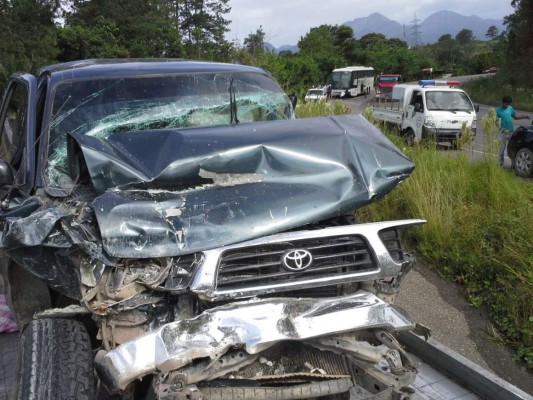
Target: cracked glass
103,107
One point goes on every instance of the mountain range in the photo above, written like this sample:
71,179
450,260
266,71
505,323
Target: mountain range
428,30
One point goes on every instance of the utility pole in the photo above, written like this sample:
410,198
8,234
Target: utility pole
415,32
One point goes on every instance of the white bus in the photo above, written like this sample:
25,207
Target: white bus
351,81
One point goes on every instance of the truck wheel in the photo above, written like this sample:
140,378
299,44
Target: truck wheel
409,137
55,361
523,162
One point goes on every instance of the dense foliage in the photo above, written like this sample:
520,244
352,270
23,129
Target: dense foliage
40,32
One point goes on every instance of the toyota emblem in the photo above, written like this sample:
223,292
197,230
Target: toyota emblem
297,260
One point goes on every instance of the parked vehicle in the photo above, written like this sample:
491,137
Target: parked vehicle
520,151
351,81
385,83
431,109
315,94
172,226
491,70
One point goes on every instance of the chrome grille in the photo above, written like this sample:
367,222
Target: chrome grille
261,264
391,240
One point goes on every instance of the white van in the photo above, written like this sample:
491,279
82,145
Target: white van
430,109
315,94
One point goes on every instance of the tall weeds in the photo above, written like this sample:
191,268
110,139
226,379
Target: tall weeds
321,108
480,220
479,230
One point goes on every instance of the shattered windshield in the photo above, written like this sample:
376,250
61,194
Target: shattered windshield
448,101
103,107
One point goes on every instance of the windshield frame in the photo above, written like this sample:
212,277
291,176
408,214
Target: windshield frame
266,87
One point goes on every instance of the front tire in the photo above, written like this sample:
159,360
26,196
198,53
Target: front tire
55,361
523,162
410,137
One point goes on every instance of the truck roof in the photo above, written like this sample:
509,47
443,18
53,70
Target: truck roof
354,68
93,68
400,91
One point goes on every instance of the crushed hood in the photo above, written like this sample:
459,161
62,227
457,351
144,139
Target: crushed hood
171,192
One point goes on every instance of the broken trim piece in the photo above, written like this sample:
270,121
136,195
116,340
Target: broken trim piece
256,325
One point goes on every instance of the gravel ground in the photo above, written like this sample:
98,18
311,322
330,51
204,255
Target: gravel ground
439,305
8,355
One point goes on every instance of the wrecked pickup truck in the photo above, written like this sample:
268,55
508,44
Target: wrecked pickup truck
170,230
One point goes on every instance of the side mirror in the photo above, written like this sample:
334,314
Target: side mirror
6,174
418,107
294,99
476,107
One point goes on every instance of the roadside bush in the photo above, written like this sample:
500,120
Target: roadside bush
491,89
478,233
321,108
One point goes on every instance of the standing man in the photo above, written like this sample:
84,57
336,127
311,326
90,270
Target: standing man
504,120
328,91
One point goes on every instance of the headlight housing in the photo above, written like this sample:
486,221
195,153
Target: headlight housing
429,122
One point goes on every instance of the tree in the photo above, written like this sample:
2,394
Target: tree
254,43
28,35
465,37
346,43
492,32
519,60
98,41
446,52
373,41
203,26
144,28
322,46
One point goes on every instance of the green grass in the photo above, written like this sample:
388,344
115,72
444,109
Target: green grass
491,89
480,220
320,108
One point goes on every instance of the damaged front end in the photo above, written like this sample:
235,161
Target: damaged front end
224,262
250,315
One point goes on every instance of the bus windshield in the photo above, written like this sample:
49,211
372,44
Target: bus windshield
341,79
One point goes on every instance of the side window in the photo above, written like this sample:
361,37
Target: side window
416,98
11,137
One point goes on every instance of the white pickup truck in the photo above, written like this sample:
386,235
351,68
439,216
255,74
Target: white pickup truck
428,109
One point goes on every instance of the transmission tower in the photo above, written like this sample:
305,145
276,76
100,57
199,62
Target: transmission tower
415,32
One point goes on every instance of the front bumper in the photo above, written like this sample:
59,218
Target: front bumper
441,134
444,134
254,325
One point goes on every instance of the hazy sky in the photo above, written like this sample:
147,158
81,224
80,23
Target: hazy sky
285,21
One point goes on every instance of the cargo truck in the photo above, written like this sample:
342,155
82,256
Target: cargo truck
429,109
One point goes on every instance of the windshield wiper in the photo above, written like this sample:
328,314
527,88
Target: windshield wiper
454,110
232,104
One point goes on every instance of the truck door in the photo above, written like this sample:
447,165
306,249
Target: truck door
17,134
414,114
